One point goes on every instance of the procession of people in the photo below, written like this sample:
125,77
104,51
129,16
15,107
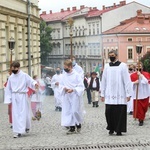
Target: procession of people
124,90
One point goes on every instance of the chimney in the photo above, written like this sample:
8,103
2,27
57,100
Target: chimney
122,3
74,8
50,11
94,8
140,19
103,7
62,10
90,8
82,6
43,12
68,9
114,4
139,12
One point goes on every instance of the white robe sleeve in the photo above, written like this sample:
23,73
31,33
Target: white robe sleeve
127,81
143,80
30,82
103,82
79,89
7,94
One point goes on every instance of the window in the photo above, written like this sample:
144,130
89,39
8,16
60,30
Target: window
130,54
89,29
129,39
58,34
93,29
97,28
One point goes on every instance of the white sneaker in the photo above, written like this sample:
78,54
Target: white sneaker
17,135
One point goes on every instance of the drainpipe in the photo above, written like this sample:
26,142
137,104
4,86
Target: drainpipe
28,30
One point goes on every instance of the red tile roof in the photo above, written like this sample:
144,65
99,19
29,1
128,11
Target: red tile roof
132,25
56,16
91,13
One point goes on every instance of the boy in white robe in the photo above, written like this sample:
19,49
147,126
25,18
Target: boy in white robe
56,88
16,93
116,90
72,91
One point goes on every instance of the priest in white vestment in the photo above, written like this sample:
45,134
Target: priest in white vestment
116,90
55,84
72,105
16,93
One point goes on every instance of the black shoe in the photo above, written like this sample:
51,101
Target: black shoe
56,108
27,130
111,132
131,113
97,105
119,134
11,126
78,128
141,122
71,130
17,135
60,109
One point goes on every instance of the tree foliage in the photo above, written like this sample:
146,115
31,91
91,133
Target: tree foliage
146,62
45,42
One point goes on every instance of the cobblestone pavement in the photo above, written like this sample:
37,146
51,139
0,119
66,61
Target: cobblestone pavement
48,133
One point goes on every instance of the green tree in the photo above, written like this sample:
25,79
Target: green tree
45,42
146,62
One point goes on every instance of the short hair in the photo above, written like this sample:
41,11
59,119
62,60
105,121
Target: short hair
15,64
34,77
68,62
71,57
132,65
113,51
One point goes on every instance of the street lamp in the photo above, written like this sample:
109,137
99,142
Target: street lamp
11,45
70,23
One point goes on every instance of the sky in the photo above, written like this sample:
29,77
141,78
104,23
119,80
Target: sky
57,5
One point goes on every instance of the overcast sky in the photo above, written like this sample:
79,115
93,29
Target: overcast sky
56,5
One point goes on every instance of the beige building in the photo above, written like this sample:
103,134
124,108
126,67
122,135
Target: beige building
14,16
89,23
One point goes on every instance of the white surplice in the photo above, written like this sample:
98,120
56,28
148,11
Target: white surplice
143,89
16,93
79,70
116,84
72,103
56,89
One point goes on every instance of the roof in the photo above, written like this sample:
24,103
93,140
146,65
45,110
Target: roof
93,12
139,24
56,16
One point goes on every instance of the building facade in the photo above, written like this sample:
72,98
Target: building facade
124,38
87,28
14,24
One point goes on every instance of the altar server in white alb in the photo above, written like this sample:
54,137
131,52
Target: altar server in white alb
72,105
116,90
16,93
55,84
141,93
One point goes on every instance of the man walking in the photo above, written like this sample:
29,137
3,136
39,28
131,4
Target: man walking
116,91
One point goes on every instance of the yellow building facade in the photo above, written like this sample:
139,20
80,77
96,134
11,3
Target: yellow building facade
14,23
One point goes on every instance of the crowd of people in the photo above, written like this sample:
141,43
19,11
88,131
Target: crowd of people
124,89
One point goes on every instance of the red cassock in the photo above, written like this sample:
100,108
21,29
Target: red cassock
142,105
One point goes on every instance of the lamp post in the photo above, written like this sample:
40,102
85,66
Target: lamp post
11,44
70,23
138,51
